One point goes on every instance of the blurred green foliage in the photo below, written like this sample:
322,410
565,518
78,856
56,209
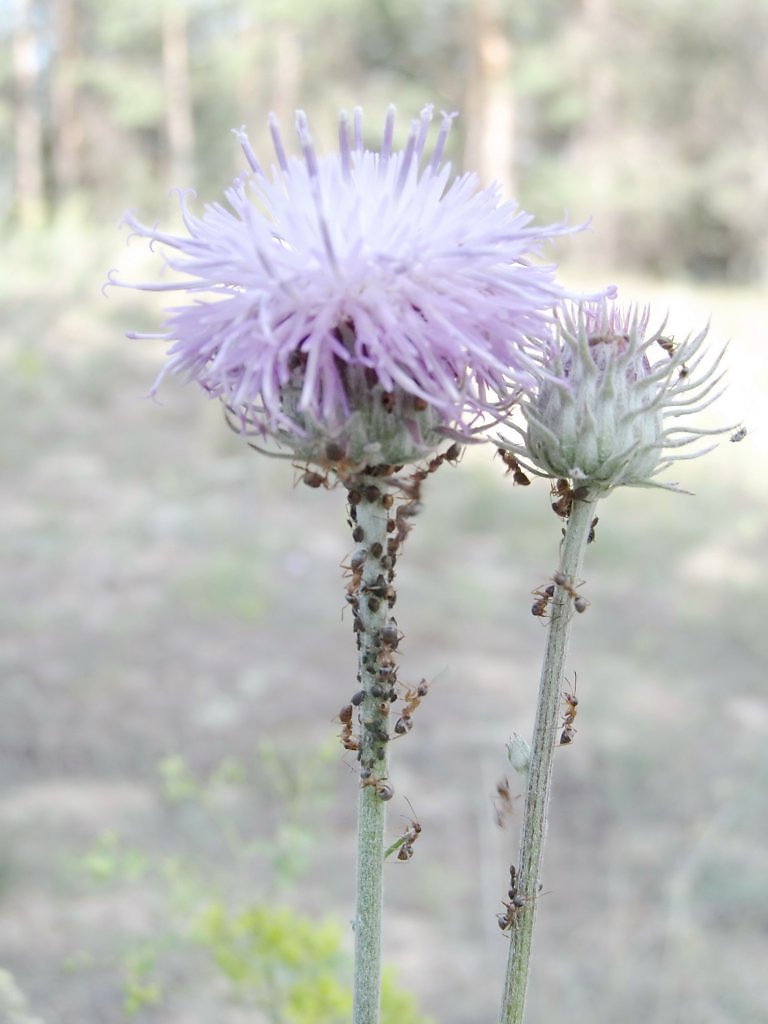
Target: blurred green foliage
294,969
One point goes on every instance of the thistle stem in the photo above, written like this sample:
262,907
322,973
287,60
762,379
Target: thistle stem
545,737
376,635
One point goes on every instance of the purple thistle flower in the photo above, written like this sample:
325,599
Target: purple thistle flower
357,298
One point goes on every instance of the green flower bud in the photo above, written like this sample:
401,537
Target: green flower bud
601,413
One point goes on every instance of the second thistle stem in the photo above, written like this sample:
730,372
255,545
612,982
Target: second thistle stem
545,734
377,638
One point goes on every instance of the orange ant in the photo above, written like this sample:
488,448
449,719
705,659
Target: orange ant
580,603
404,845
563,492
504,803
413,697
539,607
384,791
572,703
513,467
669,346
347,739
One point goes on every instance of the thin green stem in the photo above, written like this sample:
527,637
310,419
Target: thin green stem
547,728
371,595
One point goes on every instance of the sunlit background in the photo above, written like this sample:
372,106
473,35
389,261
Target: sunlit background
172,648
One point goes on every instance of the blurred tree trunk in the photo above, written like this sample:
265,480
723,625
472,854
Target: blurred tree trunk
67,123
179,124
602,128
285,78
490,130
27,117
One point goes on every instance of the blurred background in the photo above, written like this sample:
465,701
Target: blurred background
172,649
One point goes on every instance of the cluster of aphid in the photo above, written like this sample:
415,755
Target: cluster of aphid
371,572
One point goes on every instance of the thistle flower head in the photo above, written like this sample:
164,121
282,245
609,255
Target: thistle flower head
609,406
359,299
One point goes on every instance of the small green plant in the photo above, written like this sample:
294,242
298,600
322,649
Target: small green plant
292,969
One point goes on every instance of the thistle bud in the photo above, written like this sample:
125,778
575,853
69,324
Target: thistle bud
519,753
600,413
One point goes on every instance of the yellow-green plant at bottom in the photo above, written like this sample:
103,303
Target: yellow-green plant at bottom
293,969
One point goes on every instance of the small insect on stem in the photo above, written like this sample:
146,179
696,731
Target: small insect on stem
571,706
404,844
413,698
543,597
738,435
514,903
580,603
384,791
592,528
348,741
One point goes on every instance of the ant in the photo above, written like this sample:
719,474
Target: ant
669,346
592,528
572,703
413,697
515,902
579,603
404,845
564,493
311,478
513,467
504,803
384,791
539,607
738,435
348,741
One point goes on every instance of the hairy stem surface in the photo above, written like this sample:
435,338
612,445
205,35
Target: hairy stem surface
371,595
547,729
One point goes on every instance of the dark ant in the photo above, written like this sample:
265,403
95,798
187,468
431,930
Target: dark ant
311,478
738,435
513,466
592,528
404,845
514,903
572,703
412,698
579,603
390,636
565,496
539,607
